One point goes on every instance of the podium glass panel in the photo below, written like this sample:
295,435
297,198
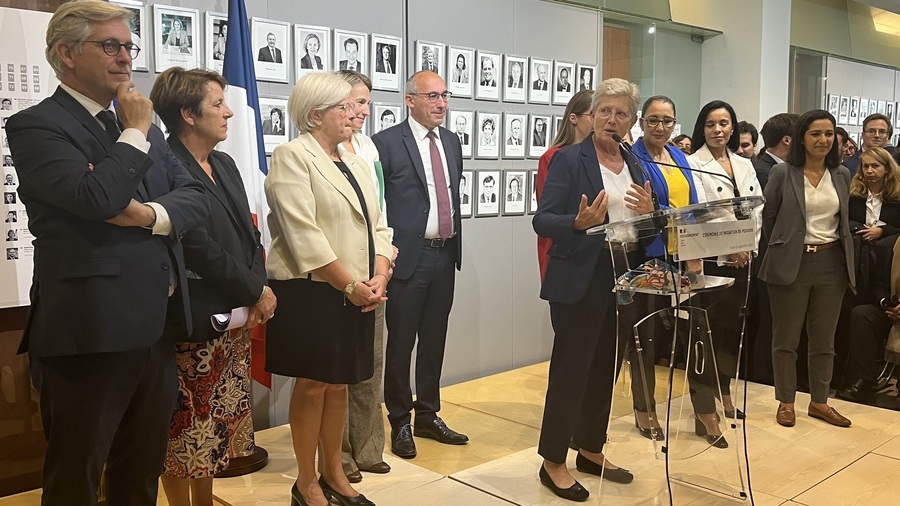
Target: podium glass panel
677,401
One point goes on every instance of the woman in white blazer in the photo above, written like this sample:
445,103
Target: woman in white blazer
329,264
725,175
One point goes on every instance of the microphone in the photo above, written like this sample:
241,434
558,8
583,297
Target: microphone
658,221
738,212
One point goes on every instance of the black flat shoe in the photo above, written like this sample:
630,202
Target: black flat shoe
575,493
588,466
343,500
651,433
717,441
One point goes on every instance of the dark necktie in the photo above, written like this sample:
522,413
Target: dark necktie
445,225
108,118
387,67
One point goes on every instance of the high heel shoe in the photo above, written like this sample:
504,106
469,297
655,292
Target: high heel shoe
575,493
297,498
649,433
731,414
344,500
700,429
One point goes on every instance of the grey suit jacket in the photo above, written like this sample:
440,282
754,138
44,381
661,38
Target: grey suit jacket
784,223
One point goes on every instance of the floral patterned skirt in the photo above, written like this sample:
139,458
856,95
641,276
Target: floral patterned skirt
212,421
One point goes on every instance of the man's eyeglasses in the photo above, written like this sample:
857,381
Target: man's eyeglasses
112,47
873,131
620,115
433,96
653,121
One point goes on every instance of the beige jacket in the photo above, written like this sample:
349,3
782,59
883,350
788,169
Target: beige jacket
315,217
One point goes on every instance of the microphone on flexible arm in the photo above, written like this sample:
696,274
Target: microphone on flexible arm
737,193
659,221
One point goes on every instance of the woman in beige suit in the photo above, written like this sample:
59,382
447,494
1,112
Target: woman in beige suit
809,261
328,265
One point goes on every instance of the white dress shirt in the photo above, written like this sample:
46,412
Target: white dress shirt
424,145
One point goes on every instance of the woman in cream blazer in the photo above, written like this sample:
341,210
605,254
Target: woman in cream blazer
329,264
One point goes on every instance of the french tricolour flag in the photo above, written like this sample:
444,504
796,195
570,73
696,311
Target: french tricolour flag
245,143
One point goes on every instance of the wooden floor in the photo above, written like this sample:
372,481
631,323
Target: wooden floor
810,464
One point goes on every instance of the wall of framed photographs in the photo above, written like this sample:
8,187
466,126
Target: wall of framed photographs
498,321
853,90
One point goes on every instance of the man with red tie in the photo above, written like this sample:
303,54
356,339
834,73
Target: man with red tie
422,164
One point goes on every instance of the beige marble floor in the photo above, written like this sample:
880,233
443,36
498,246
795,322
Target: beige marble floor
811,464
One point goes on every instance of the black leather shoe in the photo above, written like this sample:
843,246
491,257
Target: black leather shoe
717,441
402,444
354,477
436,429
861,391
575,493
586,465
343,500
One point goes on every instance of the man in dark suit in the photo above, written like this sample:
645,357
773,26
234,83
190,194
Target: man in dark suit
776,133
876,132
351,49
422,196
539,137
429,59
541,82
563,83
269,53
385,64
109,297
487,72
461,130
515,76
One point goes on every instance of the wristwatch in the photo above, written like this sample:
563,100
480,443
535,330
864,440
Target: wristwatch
350,287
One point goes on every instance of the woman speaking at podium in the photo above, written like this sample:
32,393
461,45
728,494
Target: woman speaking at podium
588,184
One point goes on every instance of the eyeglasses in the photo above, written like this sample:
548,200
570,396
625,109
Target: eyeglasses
345,108
112,47
654,121
433,96
607,112
873,131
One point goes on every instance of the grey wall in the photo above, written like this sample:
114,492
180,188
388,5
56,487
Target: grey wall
498,321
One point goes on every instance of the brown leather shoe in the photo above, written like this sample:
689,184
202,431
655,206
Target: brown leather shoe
379,468
785,416
831,416
354,477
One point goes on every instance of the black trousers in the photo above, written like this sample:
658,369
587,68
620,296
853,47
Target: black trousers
587,353
418,307
869,328
106,408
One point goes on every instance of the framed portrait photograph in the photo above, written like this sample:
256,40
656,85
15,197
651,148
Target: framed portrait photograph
843,116
272,44
538,134
585,73
539,91
460,123
514,125
853,118
465,193
383,116
889,111
514,186
139,32
563,72
216,35
863,109
275,125
387,53
515,75
488,124
312,49
177,37
832,104
350,50
557,124
430,56
460,73
488,203
532,191
488,76
882,107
